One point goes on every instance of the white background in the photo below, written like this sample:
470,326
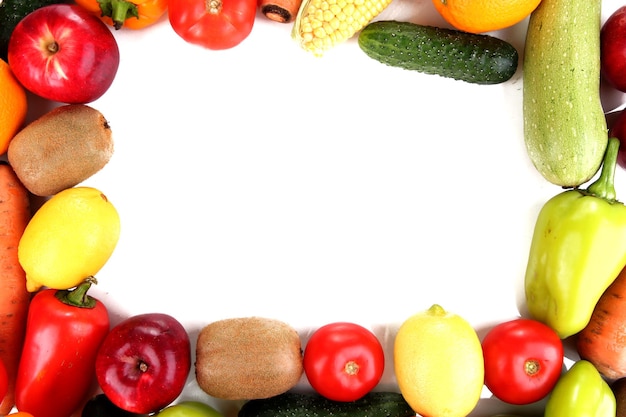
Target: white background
264,181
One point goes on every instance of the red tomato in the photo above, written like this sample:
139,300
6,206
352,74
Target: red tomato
523,360
216,24
343,361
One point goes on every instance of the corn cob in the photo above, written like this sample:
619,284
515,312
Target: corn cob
322,24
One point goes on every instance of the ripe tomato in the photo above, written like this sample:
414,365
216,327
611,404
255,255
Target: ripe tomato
523,360
343,361
215,24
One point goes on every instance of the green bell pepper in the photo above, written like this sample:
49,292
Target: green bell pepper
189,409
577,250
581,392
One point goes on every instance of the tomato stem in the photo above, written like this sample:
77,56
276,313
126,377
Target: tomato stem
532,367
213,6
351,368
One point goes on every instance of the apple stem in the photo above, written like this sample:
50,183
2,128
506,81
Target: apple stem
78,296
143,367
53,47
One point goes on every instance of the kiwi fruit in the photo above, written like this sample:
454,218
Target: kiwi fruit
248,358
61,149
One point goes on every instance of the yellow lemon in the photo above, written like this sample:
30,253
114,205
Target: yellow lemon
439,363
69,239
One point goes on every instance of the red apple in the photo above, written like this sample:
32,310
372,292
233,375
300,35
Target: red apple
613,49
64,53
143,364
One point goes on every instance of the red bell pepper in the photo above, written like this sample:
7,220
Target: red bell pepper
64,330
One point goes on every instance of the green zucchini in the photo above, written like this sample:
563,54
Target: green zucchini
474,58
294,404
11,12
565,129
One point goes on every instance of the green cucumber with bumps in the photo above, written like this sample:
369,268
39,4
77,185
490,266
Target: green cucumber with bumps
565,130
451,53
297,404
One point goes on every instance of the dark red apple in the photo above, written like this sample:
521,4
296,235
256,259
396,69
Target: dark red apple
64,53
143,364
613,49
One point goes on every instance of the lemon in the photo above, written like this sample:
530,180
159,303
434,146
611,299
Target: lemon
439,363
69,239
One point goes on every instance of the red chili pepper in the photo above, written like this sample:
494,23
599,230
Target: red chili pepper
64,330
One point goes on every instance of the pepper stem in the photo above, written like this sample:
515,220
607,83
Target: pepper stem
604,186
78,296
118,11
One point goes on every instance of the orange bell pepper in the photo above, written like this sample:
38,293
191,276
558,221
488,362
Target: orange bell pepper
132,14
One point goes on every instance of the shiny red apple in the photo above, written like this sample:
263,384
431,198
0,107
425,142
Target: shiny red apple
143,364
613,49
63,53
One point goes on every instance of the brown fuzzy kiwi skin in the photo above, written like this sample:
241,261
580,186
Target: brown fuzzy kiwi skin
248,358
61,149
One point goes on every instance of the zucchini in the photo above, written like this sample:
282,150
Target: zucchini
11,12
293,404
451,53
565,130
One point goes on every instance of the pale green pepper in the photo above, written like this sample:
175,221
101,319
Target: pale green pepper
581,392
189,409
577,250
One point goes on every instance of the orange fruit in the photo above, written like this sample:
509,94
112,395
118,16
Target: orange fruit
13,106
478,16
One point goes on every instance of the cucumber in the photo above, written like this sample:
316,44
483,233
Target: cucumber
293,404
474,58
565,130
11,12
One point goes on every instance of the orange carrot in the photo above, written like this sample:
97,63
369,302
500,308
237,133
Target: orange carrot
14,298
603,341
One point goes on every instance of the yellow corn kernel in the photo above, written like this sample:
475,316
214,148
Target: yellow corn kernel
322,24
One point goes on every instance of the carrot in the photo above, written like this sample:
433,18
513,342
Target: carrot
14,298
603,341
283,11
